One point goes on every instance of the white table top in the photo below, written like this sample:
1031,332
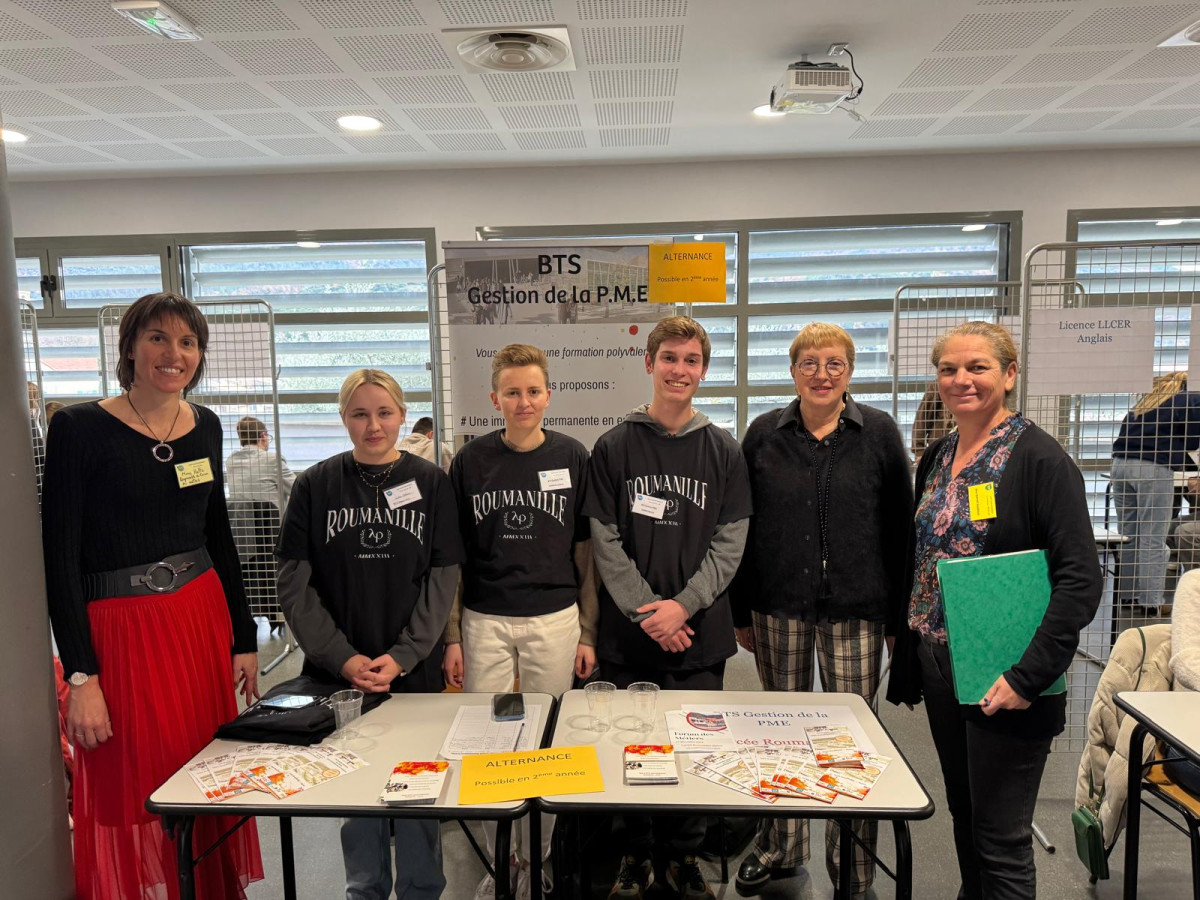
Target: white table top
897,795
1172,715
406,727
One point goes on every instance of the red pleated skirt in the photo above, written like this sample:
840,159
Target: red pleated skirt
167,678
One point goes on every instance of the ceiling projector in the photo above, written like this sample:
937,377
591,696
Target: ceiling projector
813,89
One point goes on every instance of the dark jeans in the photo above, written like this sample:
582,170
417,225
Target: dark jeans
992,780
673,837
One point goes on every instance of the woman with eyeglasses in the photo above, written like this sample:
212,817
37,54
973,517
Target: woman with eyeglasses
824,565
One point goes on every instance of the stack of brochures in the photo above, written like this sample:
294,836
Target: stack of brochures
415,783
834,746
769,774
650,764
279,770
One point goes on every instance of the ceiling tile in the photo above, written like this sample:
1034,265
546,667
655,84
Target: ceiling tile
227,149
627,84
315,146
220,96
224,16
120,99
89,131
317,92
497,12
176,127
384,143
1189,96
922,102
329,119
396,52
1155,119
955,71
144,152
80,18
1067,121
35,104
466,142
363,13
54,65
1164,62
529,87
1028,99
1127,25
631,9
550,140
64,155
165,60
1001,31
630,45
1066,67
260,124
449,118
1114,95
287,56
893,128
634,137
15,30
428,88
973,125
635,112
556,115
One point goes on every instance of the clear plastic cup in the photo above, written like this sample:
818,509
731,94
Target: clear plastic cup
600,703
644,695
347,707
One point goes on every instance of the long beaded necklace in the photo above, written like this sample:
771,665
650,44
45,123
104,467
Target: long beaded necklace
170,451
382,476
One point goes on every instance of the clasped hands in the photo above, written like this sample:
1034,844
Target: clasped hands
667,625
371,676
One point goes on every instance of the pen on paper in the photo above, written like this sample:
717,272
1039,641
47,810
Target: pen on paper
517,742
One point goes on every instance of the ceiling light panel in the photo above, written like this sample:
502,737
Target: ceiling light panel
220,149
635,112
266,124
15,30
550,140
1166,62
497,12
1117,96
1001,31
1154,119
54,65
427,88
955,71
287,56
89,131
1067,121
893,128
320,92
328,118
316,146
35,104
621,84
1126,25
396,52
1066,67
163,59
384,143
363,13
964,126
558,115
124,99
234,16
449,118
634,137
1027,99
631,9
176,127
466,143
80,18
629,45
220,96
529,87
918,103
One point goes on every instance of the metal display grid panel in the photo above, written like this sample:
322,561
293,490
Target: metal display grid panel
33,376
1136,520
240,379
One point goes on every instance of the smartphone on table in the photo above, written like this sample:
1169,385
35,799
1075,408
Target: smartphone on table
508,707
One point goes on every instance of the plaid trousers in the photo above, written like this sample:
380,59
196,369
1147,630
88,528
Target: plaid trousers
848,655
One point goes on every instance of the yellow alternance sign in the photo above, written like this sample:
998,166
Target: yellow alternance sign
496,777
687,273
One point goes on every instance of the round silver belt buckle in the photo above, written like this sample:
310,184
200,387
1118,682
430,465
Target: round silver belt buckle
148,578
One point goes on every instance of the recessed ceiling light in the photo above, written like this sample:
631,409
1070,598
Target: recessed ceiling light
765,112
1190,36
157,18
308,245
13,137
359,123
1165,222
978,226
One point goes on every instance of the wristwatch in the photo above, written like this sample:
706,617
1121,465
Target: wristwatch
79,679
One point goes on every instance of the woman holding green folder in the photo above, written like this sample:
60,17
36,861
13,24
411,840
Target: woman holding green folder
999,484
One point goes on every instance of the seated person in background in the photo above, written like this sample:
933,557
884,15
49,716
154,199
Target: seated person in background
251,472
1184,534
420,443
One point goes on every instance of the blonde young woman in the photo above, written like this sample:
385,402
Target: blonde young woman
366,582
1153,444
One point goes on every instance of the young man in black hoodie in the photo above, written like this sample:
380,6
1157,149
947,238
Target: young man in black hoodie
669,502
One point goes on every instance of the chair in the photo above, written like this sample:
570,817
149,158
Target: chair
1157,784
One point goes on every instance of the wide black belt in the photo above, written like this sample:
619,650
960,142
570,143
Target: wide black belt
163,577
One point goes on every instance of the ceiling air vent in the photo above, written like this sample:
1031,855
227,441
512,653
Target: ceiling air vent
513,49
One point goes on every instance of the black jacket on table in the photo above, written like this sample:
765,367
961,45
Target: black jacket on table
1040,505
870,513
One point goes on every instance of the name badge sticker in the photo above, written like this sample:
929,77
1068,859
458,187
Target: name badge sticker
190,474
645,505
402,494
982,498
554,479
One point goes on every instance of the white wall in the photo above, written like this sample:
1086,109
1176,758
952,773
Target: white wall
1044,185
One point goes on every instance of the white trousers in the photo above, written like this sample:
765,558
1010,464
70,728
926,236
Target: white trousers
538,649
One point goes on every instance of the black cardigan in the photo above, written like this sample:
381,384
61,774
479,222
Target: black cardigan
1040,505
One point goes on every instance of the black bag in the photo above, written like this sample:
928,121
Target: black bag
260,724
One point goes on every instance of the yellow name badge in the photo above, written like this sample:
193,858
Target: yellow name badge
982,498
496,777
687,273
190,474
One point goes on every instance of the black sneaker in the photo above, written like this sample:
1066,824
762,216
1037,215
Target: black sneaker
685,879
633,879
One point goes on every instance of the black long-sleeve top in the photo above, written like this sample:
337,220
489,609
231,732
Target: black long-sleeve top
1041,505
870,513
108,504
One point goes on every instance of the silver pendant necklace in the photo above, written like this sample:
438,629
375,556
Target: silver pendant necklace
154,451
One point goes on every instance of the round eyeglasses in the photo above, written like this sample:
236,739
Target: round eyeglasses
834,368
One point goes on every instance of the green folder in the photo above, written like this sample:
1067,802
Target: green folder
993,606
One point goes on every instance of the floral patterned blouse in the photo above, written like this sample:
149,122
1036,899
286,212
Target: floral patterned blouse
944,526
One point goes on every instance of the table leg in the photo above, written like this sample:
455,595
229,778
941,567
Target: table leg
287,855
182,828
903,860
500,863
535,854
845,860
1133,810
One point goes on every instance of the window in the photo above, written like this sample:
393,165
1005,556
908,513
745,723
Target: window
89,282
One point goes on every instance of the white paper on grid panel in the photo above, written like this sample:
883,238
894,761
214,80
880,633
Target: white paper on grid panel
1090,351
782,726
